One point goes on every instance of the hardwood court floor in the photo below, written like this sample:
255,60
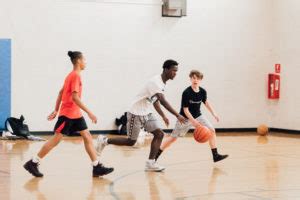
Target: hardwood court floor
258,168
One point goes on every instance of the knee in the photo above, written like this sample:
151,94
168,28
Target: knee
87,137
159,135
57,138
53,142
131,142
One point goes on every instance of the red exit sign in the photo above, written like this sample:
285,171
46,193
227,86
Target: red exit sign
277,68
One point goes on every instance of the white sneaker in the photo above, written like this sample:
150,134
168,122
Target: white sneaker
100,144
152,166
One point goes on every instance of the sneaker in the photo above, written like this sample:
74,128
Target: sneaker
33,169
100,170
100,144
219,157
153,167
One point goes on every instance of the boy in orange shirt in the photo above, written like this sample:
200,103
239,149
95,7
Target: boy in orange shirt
70,119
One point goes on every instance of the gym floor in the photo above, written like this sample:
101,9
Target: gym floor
259,167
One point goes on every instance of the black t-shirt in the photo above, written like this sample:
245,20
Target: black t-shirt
192,100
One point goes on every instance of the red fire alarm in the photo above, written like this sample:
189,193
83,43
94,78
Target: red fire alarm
273,86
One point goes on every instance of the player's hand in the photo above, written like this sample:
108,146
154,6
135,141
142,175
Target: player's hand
217,118
166,120
196,123
52,116
93,118
181,119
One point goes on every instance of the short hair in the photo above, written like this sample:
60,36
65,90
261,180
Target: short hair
169,64
196,73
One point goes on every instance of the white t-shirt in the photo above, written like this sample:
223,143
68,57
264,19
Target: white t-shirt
142,104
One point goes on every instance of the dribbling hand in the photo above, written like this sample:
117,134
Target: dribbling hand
181,119
196,123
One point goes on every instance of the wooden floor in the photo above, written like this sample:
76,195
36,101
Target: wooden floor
258,168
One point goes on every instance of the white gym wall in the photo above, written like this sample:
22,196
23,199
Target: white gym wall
125,43
285,113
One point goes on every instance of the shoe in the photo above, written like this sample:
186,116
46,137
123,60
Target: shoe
219,157
100,144
33,169
152,166
100,170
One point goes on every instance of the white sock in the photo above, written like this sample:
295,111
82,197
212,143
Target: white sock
105,141
151,161
36,159
95,163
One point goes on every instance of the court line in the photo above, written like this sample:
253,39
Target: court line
114,194
4,172
113,183
242,193
254,196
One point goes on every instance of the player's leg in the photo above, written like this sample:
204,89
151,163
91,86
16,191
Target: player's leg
121,141
158,136
168,141
133,129
49,145
88,144
98,168
179,131
212,141
62,125
152,126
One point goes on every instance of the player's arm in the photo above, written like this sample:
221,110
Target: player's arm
78,102
166,104
161,113
211,110
57,105
58,100
190,116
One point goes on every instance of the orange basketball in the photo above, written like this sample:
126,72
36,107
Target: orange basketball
202,134
262,129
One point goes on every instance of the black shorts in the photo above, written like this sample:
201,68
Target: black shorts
67,126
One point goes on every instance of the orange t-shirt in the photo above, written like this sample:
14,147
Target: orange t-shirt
68,107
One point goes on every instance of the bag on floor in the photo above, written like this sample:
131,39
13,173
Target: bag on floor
121,124
19,128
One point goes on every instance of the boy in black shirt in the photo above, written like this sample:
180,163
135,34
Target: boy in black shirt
192,97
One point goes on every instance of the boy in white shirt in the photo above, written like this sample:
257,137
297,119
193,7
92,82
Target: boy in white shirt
140,115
